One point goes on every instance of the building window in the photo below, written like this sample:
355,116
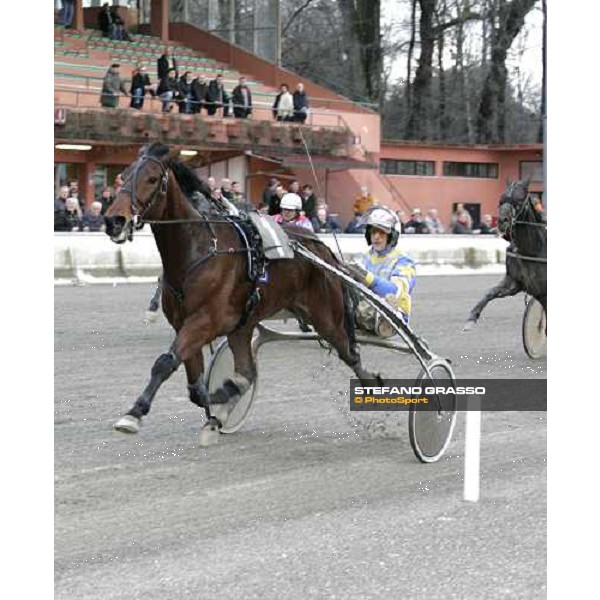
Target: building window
407,167
465,169
534,170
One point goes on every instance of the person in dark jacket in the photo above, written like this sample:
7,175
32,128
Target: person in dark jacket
309,201
242,100
119,28
167,89
275,200
140,84
323,223
68,220
217,97
93,219
300,104
269,191
166,63
60,207
105,199
357,224
199,89
105,21
184,96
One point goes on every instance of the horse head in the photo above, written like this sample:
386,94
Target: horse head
143,193
513,202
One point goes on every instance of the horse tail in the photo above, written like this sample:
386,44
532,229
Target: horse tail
350,303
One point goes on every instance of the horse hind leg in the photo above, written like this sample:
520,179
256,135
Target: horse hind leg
233,388
507,287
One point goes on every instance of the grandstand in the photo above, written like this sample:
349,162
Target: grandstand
339,141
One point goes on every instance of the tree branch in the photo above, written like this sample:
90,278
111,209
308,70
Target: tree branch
297,12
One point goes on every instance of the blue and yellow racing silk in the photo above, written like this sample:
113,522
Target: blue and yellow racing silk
391,273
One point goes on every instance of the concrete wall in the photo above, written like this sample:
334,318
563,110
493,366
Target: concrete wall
82,256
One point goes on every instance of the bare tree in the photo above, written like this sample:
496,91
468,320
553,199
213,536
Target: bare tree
507,22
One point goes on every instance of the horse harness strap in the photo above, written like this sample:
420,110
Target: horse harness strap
522,257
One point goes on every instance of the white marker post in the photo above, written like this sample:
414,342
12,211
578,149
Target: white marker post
472,449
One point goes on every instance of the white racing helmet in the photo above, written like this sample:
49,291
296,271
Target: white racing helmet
291,201
387,221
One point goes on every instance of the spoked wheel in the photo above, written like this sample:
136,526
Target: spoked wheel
430,431
220,368
534,329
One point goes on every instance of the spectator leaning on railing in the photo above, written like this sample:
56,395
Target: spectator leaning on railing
199,89
283,107
112,87
217,96
140,84
300,104
93,219
166,90
242,99
433,222
323,223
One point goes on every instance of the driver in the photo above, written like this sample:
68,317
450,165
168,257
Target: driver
291,205
386,270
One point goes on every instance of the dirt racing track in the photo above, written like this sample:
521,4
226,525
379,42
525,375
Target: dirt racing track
306,500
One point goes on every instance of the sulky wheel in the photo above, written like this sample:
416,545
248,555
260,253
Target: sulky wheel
534,329
220,368
430,431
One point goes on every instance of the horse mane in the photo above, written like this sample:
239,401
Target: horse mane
188,181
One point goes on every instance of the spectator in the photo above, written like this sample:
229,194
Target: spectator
226,189
291,205
74,188
199,91
68,13
105,199
269,191
434,225
118,184
140,84
283,107
486,227
462,224
165,63
184,93
242,100
217,97
119,28
416,224
323,223
300,104
402,220
69,220
93,219
363,202
166,90
112,86
294,187
275,200
309,201
105,21
212,184
239,200
357,224
60,207
460,209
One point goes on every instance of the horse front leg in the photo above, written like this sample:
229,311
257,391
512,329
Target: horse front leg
164,366
507,287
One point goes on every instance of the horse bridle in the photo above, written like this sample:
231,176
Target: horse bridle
515,219
161,189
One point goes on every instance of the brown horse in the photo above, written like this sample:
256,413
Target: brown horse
207,291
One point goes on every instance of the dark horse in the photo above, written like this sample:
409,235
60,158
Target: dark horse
523,224
207,290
